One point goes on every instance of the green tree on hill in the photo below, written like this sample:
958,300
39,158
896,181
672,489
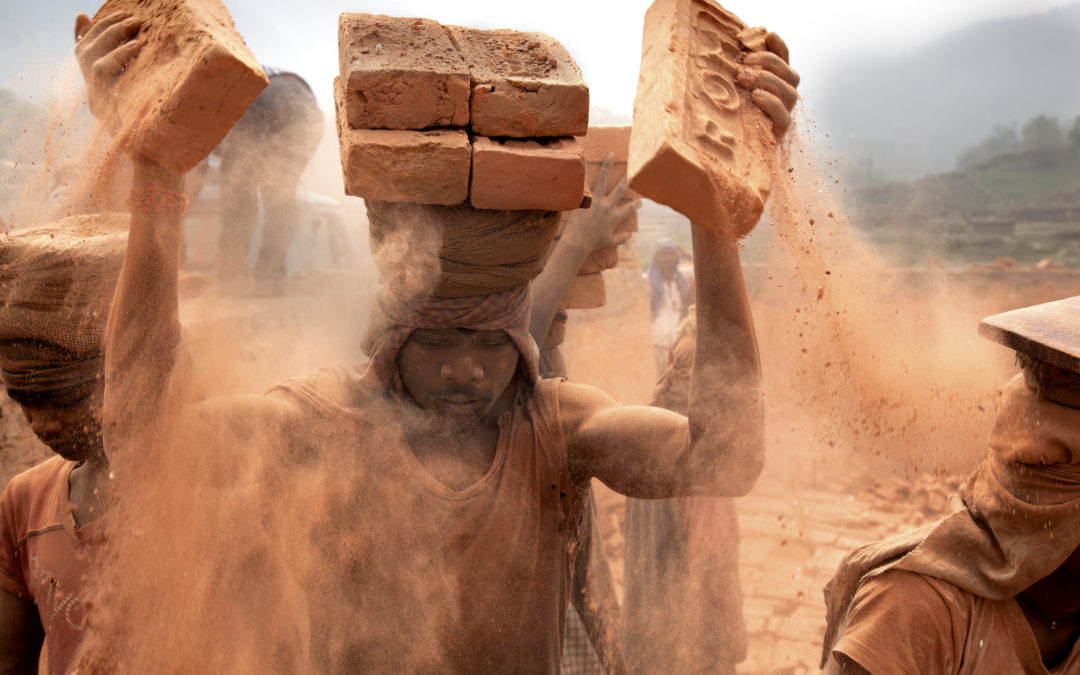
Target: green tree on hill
1042,132
1074,132
1039,133
1002,141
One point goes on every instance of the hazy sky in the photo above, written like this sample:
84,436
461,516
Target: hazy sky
604,36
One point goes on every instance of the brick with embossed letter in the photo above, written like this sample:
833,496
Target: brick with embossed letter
699,144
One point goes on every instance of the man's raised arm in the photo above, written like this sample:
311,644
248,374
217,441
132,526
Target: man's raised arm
143,332
718,449
145,385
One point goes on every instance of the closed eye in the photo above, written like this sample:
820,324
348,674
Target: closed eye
495,338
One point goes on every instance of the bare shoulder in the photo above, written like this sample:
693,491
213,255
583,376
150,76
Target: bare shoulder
589,414
580,402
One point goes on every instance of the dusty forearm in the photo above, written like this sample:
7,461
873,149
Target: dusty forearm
552,284
726,410
144,329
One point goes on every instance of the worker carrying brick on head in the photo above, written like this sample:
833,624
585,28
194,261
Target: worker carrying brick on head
56,519
591,643
52,362
995,586
451,478
261,160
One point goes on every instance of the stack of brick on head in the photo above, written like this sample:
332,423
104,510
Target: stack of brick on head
56,284
995,586
432,500
462,143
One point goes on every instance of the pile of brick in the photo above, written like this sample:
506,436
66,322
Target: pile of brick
447,115
587,291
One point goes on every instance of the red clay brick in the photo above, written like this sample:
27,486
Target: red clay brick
586,291
428,167
599,260
604,138
192,80
525,85
698,143
401,73
527,174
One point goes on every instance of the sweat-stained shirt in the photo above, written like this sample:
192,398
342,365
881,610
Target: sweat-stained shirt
413,575
903,622
43,555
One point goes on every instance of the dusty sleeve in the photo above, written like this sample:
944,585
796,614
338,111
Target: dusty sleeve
899,622
11,574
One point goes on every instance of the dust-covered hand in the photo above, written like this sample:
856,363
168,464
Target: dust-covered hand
104,48
771,81
594,228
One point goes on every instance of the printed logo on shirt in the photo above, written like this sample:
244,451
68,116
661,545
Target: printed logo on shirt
52,600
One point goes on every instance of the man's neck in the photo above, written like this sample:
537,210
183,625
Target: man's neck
1051,606
457,454
88,491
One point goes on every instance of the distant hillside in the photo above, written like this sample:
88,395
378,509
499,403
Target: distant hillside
1038,185
911,115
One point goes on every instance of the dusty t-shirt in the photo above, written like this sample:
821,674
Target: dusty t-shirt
415,576
901,622
43,554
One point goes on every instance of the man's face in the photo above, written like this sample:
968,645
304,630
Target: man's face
70,424
458,373
667,259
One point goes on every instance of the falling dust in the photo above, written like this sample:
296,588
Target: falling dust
865,365
869,371
876,382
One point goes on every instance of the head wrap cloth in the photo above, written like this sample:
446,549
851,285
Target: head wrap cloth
394,319
478,251
480,262
56,285
1020,521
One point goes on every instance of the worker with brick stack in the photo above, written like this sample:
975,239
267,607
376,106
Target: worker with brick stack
57,518
52,362
261,160
450,477
994,586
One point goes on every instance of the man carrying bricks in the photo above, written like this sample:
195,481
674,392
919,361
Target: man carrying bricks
451,479
994,586
52,362
263,157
